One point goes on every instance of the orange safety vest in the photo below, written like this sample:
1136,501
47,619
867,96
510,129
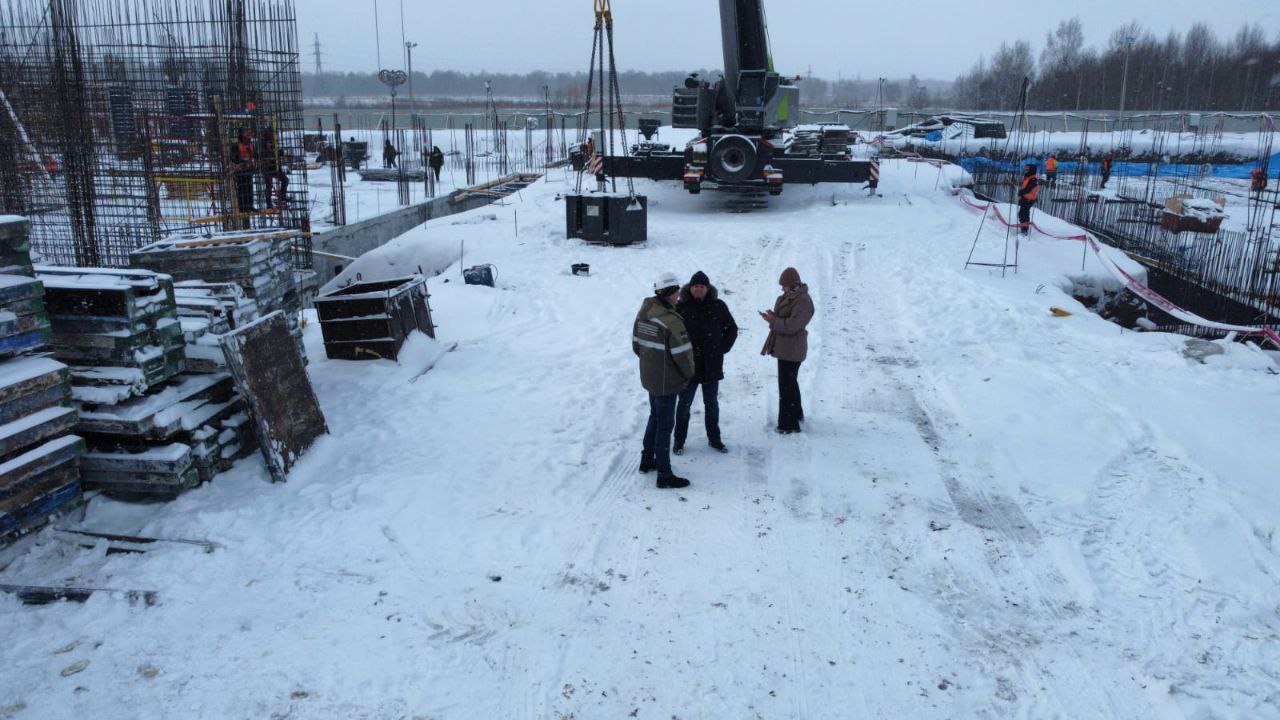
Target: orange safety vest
1030,190
1051,165
1259,180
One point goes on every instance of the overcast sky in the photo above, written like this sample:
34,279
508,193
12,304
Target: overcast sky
932,38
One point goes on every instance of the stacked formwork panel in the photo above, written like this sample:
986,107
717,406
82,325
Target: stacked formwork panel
39,455
120,121
260,263
154,429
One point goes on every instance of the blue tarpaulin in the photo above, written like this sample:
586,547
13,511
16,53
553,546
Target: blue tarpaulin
1239,171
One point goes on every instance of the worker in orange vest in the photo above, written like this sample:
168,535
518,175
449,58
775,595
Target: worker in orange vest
1051,170
1027,197
1106,169
1258,179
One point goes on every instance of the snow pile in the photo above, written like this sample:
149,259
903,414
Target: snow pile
426,250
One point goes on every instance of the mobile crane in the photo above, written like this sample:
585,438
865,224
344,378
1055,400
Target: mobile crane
748,141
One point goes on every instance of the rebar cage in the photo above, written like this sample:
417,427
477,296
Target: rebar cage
120,120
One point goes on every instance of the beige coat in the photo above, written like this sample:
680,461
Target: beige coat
788,339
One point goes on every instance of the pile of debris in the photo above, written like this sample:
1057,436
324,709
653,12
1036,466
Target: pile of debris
39,457
1184,213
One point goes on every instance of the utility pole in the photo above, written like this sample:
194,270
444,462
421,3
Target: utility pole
408,50
1124,81
880,102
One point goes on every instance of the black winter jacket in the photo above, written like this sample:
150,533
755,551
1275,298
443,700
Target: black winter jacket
711,330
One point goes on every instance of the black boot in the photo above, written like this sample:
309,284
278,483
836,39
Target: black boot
717,445
678,448
647,466
671,482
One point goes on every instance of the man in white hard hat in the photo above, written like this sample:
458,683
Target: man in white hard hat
661,342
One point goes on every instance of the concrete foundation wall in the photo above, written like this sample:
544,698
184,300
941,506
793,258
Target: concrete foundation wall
359,238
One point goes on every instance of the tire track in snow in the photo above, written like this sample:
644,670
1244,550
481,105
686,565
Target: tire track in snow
528,693
1012,557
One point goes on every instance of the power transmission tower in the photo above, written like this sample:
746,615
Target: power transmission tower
319,67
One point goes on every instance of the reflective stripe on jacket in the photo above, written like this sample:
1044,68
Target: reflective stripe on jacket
661,342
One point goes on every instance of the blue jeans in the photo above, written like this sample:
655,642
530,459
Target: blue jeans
657,434
710,409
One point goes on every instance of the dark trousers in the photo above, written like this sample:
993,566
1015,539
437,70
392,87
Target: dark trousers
1024,214
244,191
657,434
1051,178
277,184
436,170
1105,177
710,409
790,408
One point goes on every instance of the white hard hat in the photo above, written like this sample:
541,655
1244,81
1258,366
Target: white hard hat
666,280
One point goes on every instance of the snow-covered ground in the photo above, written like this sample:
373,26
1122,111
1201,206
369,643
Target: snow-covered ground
993,512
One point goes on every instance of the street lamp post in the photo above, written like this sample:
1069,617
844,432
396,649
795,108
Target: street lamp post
1124,81
880,102
408,51
392,79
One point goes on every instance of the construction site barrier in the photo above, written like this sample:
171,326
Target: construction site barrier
1136,286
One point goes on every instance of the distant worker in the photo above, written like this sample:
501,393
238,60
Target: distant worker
692,82
389,153
273,176
1051,170
661,342
1106,169
1027,197
436,161
242,158
1258,179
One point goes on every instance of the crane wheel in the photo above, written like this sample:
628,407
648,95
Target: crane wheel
733,159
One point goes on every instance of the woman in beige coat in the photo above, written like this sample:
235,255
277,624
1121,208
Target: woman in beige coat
788,341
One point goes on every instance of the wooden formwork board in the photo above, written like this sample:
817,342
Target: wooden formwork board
269,372
35,429
161,413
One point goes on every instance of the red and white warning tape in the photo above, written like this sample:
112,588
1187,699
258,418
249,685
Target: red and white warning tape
1131,282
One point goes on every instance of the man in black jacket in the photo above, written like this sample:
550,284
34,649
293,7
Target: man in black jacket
712,332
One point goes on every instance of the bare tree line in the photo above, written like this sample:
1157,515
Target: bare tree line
569,89
1191,71
1195,70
